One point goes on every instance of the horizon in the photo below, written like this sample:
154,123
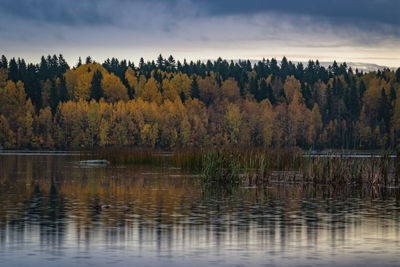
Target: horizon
365,67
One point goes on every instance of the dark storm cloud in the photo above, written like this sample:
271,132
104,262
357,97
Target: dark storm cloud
59,11
381,11
202,28
86,12
90,12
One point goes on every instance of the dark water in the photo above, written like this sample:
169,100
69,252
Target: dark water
159,217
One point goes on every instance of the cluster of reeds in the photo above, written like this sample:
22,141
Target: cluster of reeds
221,167
235,166
262,166
255,166
341,169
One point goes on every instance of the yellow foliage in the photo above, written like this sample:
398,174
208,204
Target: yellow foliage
233,119
151,91
113,88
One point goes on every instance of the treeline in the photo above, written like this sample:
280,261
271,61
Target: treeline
171,104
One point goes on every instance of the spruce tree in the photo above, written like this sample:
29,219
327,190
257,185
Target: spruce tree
79,62
13,73
266,92
362,88
62,90
354,101
4,63
392,94
384,109
398,75
160,62
194,90
96,92
53,98
254,89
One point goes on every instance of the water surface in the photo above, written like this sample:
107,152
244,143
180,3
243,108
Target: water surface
159,216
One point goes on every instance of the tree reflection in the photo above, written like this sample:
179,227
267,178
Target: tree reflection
51,199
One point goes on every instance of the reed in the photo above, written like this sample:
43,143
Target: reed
341,169
235,166
221,167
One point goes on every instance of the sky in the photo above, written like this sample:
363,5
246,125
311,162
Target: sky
366,31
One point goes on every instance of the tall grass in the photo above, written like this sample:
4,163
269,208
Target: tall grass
263,166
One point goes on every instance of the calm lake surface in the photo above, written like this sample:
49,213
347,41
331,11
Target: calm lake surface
162,217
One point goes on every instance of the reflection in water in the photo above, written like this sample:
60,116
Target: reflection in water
53,212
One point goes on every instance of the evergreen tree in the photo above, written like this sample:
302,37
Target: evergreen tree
53,98
254,89
266,92
141,63
398,75
62,90
160,62
62,66
3,63
96,91
354,102
171,62
338,88
182,96
79,62
273,66
13,73
285,68
392,94
328,115
194,90
384,109
362,88
307,94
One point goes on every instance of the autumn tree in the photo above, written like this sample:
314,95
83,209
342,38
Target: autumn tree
113,88
233,122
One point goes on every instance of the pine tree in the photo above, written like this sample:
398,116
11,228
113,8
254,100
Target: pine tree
354,102
384,109
4,63
171,62
194,90
96,91
306,92
141,64
182,96
62,66
62,92
160,62
392,94
266,92
79,62
13,73
362,88
254,89
53,98
329,106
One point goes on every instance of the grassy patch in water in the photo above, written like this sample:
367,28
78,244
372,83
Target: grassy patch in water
262,166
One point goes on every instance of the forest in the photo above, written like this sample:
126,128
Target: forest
168,104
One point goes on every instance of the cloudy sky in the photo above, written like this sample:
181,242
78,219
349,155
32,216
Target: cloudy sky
365,31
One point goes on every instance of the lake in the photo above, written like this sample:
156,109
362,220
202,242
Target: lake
55,212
